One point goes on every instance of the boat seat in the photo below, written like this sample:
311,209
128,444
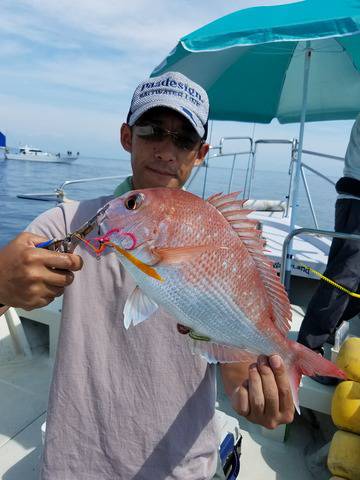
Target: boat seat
49,315
13,339
266,205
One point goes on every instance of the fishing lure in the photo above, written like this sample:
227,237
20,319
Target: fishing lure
99,244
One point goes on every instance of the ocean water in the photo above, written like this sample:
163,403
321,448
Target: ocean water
23,177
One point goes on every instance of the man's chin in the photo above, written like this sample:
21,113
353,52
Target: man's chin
155,180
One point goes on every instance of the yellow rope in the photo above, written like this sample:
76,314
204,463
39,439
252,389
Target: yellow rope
334,284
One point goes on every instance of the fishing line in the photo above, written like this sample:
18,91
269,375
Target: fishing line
334,284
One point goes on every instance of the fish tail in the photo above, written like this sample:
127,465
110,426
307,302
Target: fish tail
310,363
294,379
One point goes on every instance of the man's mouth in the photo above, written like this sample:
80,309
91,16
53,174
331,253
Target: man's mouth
162,172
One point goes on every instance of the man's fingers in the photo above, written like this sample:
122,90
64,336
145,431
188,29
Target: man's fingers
53,292
270,388
62,261
34,276
47,295
286,404
58,278
256,394
30,239
240,400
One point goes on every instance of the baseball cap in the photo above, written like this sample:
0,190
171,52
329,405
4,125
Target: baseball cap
172,90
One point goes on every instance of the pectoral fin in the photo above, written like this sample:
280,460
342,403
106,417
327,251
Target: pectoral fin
173,256
138,307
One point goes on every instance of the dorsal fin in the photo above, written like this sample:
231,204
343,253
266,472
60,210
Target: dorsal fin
249,231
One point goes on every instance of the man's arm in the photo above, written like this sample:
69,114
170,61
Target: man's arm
32,277
260,392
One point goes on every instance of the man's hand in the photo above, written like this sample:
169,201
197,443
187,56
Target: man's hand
260,392
32,277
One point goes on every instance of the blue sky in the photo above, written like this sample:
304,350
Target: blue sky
68,70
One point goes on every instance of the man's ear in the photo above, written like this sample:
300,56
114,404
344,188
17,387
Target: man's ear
203,151
126,137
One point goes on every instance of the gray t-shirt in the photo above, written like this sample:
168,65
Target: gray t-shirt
132,404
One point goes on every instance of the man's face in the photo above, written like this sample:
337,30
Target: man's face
163,161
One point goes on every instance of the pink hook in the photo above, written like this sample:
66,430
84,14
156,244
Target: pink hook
104,239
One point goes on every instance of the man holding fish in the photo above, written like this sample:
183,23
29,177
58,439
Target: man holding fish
132,401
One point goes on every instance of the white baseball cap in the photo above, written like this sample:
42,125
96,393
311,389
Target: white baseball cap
172,90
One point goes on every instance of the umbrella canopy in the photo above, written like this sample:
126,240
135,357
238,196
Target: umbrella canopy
251,62
291,62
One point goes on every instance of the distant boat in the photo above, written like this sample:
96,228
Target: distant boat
69,155
37,155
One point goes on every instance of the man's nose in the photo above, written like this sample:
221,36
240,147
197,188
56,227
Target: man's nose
166,150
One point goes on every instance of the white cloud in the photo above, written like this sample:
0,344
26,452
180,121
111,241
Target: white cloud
69,67
10,48
92,75
59,128
157,24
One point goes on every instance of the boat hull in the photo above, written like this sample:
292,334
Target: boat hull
46,157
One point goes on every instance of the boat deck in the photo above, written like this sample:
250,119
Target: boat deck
307,251
24,385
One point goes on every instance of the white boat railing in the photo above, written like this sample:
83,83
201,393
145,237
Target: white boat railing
252,153
222,154
293,146
59,194
304,167
249,152
284,276
218,152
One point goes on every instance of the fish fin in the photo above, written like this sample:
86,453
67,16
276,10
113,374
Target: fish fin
220,200
249,233
171,256
218,353
310,363
138,307
294,380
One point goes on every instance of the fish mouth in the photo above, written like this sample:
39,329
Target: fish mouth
163,173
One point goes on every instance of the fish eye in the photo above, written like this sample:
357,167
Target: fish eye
134,201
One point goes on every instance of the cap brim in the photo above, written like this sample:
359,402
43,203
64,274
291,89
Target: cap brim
140,111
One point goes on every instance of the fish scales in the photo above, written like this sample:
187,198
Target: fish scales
211,277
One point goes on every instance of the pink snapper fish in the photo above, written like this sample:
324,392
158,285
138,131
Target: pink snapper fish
204,263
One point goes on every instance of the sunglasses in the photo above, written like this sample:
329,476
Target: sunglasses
154,133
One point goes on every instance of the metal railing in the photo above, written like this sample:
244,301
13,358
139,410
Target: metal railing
293,143
326,178
222,154
218,152
58,194
252,153
285,276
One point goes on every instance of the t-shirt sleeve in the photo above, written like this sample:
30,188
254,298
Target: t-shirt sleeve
50,224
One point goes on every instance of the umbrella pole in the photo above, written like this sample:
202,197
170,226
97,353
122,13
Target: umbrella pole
295,194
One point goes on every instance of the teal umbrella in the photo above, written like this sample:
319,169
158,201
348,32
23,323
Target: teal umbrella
293,62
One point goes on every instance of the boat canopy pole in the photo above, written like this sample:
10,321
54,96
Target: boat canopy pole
296,183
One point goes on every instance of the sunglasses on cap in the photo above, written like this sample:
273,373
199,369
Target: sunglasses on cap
154,133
